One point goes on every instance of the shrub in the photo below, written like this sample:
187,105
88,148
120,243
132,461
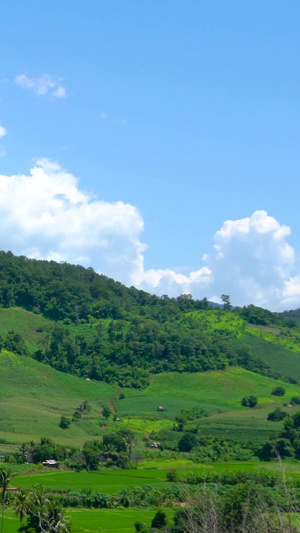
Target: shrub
172,475
295,400
64,422
277,415
160,520
122,396
278,391
249,401
187,443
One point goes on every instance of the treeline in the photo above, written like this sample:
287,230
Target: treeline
72,293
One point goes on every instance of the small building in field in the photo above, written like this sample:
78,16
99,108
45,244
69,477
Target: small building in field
51,462
161,408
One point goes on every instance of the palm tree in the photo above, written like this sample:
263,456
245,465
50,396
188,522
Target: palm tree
23,449
21,504
56,520
5,477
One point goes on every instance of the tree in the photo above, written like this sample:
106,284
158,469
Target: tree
226,302
278,391
77,461
106,412
21,504
160,520
187,442
128,438
249,401
44,514
91,451
64,422
5,478
23,450
277,415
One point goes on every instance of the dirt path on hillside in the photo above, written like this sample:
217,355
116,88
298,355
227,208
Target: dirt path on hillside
111,405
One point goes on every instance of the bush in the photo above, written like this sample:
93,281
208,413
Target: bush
160,520
277,415
278,391
249,401
64,422
295,400
187,443
122,396
172,475
293,381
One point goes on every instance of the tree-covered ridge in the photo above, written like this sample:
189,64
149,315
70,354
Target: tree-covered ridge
105,331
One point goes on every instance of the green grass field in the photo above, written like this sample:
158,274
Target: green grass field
111,482
34,396
216,392
31,327
97,520
284,361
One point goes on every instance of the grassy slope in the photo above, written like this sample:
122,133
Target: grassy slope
31,327
284,361
281,351
34,396
219,393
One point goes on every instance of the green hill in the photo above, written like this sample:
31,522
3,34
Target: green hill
87,325
34,396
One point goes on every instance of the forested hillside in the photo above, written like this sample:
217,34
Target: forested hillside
95,327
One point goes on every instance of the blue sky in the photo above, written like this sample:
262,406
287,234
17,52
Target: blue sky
132,131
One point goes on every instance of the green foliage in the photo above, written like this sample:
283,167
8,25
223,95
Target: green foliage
159,520
277,415
106,412
187,442
249,401
278,391
64,422
107,332
295,400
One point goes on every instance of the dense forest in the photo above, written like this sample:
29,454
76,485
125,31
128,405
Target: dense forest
132,333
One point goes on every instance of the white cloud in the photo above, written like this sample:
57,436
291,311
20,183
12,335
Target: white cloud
60,92
46,215
42,85
3,131
3,151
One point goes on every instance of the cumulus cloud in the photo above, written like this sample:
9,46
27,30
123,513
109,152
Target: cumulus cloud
45,215
42,85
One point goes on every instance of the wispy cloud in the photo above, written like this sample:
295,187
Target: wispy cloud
3,131
42,85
